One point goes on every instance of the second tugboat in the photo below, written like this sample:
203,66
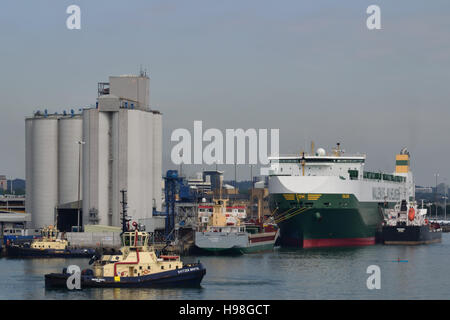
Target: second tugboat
406,224
48,246
137,266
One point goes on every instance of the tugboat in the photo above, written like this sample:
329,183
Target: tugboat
49,245
136,266
407,224
224,234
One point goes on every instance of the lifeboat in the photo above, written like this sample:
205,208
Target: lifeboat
411,214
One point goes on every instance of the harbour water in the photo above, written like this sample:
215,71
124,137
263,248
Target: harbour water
407,272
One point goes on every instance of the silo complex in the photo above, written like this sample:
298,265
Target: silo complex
122,150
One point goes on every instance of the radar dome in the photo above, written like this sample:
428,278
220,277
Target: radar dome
321,152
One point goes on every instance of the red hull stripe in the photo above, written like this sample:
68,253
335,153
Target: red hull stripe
343,242
260,239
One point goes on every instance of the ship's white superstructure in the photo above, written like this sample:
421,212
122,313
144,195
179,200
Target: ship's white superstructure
337,174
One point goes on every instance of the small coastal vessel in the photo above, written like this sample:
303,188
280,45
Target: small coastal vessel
407,224
222,233
136,266
49,245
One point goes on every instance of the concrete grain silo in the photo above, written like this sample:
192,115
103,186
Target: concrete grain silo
28,163
70,131
44,169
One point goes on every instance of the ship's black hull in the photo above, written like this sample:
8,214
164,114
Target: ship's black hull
188,276
17,251
410,235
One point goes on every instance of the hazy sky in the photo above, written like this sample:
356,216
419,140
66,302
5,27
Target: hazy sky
310,68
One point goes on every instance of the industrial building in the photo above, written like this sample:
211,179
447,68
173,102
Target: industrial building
12,213
3,183
93,155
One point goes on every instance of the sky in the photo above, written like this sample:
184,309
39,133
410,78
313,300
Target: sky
309,68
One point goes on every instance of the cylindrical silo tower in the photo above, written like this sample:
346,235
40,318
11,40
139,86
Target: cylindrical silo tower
70,132
44,167
28,163
157,159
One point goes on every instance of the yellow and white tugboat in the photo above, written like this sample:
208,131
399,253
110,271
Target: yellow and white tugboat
137,266
49,245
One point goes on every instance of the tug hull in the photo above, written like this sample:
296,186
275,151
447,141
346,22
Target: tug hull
22,252
188,276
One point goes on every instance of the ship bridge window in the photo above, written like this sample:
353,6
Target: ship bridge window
353,174
288,161
141,240
126,240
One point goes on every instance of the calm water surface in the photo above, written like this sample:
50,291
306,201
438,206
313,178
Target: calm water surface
337,273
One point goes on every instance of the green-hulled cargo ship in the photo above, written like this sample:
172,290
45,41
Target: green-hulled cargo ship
326,200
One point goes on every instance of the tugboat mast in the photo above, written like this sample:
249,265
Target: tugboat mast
125,218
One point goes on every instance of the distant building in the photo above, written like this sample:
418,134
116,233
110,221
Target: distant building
424,189
215,177
3,183
11,203
259,203
197,182
442,189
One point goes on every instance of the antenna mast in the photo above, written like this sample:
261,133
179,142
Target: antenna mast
125,218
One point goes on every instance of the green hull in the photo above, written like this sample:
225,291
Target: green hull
325,220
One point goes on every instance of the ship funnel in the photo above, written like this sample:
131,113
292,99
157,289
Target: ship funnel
402,161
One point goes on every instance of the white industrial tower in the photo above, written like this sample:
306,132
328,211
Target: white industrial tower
122,150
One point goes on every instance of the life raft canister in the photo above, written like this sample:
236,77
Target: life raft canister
411,214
